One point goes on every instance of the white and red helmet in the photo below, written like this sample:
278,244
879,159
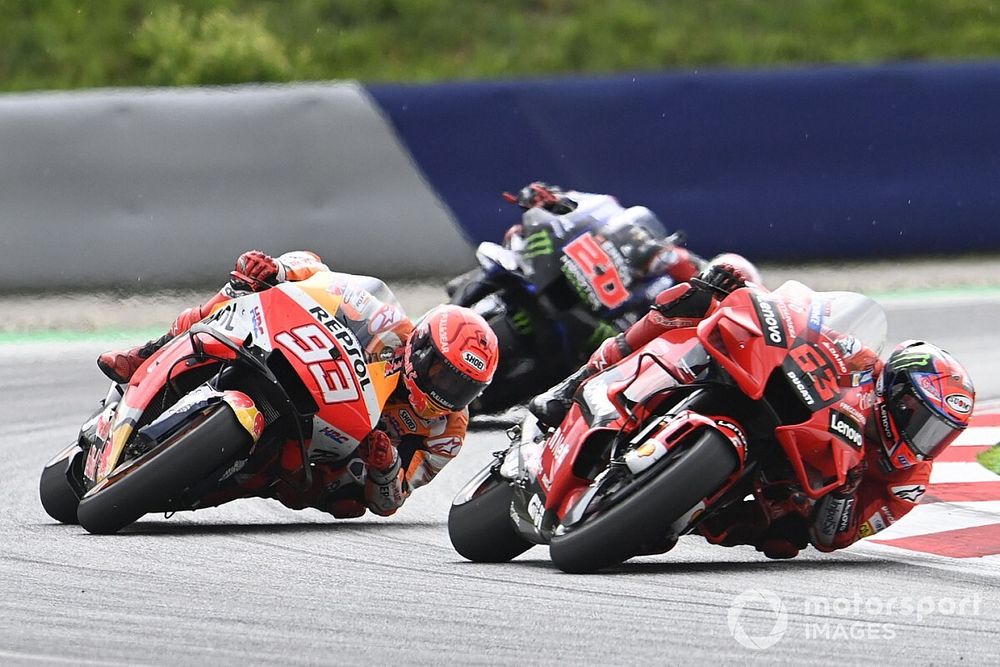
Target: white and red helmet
740,265
449,360
924,400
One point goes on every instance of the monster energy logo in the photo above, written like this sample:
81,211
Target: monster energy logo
911,360
601,332
521,322
538,244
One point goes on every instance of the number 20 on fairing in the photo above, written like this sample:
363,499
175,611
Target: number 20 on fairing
313,348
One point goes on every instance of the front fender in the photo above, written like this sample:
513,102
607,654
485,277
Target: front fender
193,403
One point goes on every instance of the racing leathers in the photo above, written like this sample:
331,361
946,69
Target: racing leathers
401,454
874,496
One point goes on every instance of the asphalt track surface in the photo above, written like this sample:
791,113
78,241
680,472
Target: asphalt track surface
255,583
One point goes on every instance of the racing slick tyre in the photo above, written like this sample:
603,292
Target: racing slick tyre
643,516
59,495
148,483
481,529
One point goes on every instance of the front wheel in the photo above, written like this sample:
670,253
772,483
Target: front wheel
151,481
481,529
59,495
616,534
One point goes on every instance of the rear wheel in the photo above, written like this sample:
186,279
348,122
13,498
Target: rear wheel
59,495
646,514
148,483
481,529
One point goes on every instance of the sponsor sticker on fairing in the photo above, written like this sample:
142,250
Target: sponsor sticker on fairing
774,330
816,316
801,388
846,429
384,318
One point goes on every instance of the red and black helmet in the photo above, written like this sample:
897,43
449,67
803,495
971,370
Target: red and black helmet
449,359
924,401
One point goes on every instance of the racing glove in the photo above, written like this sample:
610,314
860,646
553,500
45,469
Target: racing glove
384,484
715,282
722,279
256,270
542,195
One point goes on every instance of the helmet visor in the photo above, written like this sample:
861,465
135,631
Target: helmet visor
438,378
926,432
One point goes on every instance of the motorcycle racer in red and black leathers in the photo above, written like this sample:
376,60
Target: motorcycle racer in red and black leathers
919,400
422,426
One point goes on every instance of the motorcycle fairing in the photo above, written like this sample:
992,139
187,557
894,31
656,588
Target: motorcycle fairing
597,270
627,393
752,335
324,328
822,449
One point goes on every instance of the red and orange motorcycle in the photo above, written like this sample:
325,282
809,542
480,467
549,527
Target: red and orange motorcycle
311,361
766,398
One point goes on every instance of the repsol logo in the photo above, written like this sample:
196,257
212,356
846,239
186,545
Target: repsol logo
801,388
774,331
845,427
347,339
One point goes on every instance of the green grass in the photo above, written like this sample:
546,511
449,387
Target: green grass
111,336
87,43
990,459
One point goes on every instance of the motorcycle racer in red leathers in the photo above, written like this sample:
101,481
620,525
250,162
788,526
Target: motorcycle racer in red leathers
920,400
446,360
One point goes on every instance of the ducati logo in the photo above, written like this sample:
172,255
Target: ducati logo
806,396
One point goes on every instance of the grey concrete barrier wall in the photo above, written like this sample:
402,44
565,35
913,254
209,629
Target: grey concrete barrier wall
164,187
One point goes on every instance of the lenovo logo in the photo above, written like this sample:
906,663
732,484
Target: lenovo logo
774,331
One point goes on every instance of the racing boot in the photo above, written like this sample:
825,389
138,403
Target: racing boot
120,365
550,407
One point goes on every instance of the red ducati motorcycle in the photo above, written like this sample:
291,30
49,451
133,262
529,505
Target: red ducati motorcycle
766,398
310,361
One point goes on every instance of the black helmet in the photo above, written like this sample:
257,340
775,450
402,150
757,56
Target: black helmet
638,234
924,400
